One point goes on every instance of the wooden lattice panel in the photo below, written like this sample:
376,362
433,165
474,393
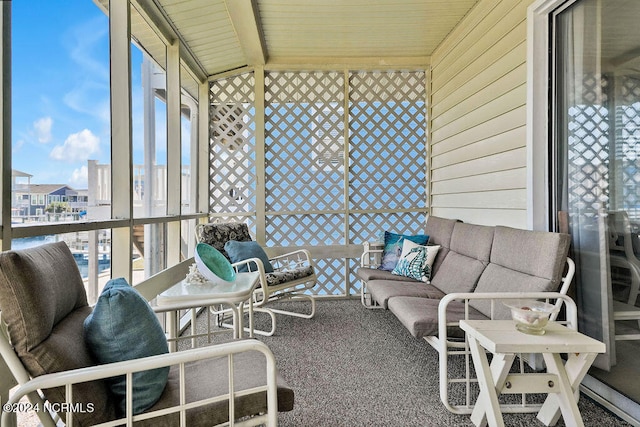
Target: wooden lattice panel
330,272
368,227
304,141
305,230
387,128
232,140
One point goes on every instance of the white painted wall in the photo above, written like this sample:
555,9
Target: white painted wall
478,153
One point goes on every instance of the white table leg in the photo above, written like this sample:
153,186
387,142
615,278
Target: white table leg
172,329
564,401
500,366
488,407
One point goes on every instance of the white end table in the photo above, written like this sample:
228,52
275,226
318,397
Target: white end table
561,380
184,296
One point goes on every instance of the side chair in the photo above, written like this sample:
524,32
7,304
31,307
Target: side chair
43,341
286,276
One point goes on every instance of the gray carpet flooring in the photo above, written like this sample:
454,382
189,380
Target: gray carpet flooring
350,366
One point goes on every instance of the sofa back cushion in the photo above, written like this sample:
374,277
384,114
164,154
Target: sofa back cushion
522,261
469,252
439,231
44,304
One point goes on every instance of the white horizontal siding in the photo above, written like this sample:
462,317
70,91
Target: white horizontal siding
478,117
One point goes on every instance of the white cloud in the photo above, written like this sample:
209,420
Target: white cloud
77,147
43,129
79,178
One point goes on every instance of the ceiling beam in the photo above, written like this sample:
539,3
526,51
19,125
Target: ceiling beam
246,22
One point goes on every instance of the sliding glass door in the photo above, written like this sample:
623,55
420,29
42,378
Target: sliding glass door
596,166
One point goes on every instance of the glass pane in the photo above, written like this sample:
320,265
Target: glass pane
597,165
189,143
91,250
60,112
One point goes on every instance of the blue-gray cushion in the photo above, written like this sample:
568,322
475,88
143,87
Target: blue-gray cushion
240,251
121,327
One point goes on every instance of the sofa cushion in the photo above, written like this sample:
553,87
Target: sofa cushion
474,241
458,273
240,251
124,327
367,274
382,290
439,231
496,278
393,248
44,304
522,261
420,315
538,253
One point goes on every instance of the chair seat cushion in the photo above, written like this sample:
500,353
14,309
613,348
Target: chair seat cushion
284,276
209,378
122,327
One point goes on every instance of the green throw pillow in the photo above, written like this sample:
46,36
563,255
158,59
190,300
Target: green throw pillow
121,327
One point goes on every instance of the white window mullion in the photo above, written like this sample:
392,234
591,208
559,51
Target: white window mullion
121,136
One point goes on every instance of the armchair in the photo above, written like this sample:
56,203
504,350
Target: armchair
292,274
43,308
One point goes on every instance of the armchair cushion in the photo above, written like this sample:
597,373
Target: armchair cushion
122,327
217,235
44,305
279,277
240,251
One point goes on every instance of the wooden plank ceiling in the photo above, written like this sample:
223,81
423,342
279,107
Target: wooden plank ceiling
223,35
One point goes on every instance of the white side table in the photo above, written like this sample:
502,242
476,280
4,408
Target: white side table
184,296
560,382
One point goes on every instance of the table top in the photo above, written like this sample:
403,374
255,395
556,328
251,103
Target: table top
237,291
501,336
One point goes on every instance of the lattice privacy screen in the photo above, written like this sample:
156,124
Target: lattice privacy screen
604,146
324,185
232,161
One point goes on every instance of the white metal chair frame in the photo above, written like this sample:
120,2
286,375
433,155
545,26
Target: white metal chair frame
291,290
31,387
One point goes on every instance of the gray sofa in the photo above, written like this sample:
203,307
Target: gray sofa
475,268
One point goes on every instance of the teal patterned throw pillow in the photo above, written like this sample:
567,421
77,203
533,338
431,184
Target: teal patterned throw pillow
415,261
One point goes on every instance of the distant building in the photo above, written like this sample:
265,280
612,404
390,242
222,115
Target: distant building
33,199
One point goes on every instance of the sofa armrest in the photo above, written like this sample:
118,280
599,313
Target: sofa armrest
371,255
497,297
127,368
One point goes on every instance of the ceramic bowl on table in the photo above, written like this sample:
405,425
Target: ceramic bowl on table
530,316
213,265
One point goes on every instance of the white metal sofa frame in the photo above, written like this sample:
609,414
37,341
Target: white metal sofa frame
292,289
458,347
32,387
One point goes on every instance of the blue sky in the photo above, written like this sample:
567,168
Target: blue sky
60,90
